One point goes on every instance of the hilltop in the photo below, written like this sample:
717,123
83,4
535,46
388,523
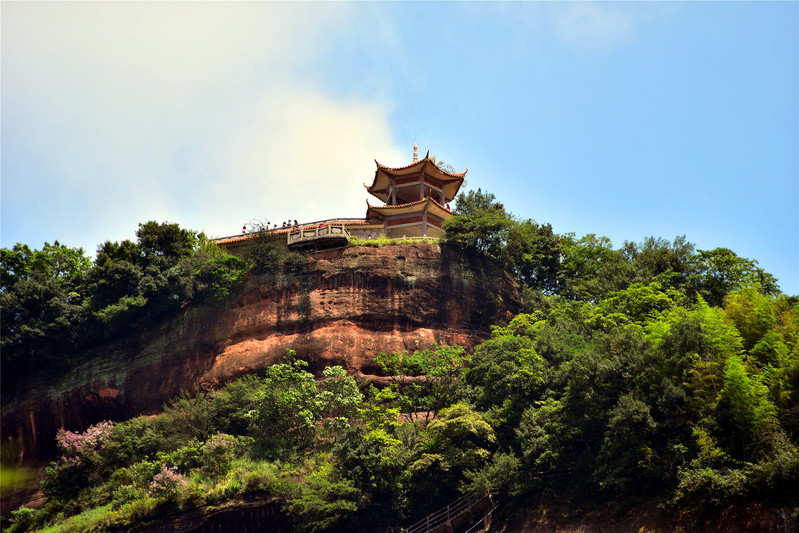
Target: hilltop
545,368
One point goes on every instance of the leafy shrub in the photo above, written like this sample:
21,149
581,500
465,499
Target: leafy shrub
25,519
294,262
125,494
388,241
185,458
184,418
500,474
219,451
131,441
220,276
261,476
267,255
230,407
138,474
702,488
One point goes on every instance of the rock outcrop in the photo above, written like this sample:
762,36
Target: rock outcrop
343,307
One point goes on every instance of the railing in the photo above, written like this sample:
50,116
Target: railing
280,229
317,231
483,521
446,515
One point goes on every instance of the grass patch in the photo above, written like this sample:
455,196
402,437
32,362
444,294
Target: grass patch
387,241
95,519
249,475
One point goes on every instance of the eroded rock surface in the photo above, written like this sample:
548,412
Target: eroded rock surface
344,307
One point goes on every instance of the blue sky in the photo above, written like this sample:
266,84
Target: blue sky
627,120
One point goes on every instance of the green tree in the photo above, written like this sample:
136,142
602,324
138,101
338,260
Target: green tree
752,314
462,437
165,240
425,380
751,410
376,462
289,405
658,260
324,502
591,268
543,438
505,376
533,253
286,404
481,224
626,458
40,307
65,266
459,440
720,271
55,302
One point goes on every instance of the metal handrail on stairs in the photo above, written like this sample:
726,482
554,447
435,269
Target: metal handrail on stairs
482,522
446,515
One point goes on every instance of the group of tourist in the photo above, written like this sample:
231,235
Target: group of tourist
286,224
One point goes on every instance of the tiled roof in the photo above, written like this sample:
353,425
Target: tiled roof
370,206
450,183
421,162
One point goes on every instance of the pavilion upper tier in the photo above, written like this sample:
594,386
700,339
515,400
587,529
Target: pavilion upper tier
412,183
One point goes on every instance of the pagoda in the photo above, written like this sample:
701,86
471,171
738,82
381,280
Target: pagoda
416,197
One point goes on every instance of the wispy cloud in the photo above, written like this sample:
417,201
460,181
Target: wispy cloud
592,25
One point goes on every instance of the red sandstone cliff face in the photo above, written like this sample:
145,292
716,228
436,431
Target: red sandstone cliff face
344,308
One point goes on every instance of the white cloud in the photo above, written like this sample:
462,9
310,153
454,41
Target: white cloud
305,157
197,113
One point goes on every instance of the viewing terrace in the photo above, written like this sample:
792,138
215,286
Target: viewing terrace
322,235
318,234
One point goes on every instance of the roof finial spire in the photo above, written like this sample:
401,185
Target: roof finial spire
415,153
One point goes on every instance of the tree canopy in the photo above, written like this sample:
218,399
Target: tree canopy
56,301
589,268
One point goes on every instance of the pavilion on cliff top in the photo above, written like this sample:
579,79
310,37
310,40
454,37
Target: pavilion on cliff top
416,203
416,197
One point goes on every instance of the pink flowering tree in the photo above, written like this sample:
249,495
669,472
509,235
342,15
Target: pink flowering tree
79,453
167,483
81,446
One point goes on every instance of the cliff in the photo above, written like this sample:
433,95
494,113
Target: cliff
344,307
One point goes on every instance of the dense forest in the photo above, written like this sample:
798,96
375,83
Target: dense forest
650,372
